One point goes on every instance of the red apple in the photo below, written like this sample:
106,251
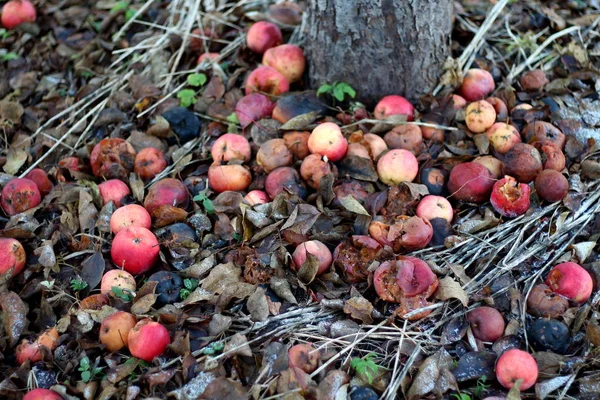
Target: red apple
15,12
262,36
231,146
135,249
149,162
256,197
113,190
394,105
516,364
327,140
12,257
167,191
148,339
288,59
268,81
19,195
397,165
317,249
130,215
477,84
40,177
234,177
42,394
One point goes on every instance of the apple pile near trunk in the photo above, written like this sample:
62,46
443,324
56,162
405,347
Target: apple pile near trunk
387,168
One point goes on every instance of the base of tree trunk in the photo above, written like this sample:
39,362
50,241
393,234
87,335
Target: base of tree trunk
379,47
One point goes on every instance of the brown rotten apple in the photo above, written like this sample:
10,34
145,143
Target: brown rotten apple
523,162
313,169
112,159
284,179
404,233
551,185
273,154
149,162
510,198
487,323
407,137
353,257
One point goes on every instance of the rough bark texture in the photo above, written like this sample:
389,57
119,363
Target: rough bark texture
379,47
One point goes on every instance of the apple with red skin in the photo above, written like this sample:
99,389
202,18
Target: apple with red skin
500,107
477,84
149,162
313,169
231,146
542,131
15,12
458,101
273,154
112,159
42,394
210,57
148,339
288,59
394,105
396,166
487,323
516,364
252,108
114,330
327,140
135,250
523,162
130,215
431,207
12,257
32,350
94,302
317,249
510,198
19,195
403,233
256,197
167,191
40,177
571,281
262,36
113,190
117,278
470,181
268,81
284,178
551,185
233,177
552,156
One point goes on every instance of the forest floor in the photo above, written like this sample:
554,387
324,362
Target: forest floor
85,71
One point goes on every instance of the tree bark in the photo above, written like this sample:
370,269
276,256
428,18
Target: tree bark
379,47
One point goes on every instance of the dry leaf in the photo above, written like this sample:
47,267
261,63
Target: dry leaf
359,308
450,289
15,159
257,305
14,315
434,377
352,205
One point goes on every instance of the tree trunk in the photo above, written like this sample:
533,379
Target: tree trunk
379,47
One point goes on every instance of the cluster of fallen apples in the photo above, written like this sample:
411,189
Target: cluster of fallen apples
525,156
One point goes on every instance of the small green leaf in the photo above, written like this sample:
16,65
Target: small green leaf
120,5
187,97
129,14
208,206
325,88
184,294
9,56
84,363
348,89
196,80
124,295
338,93
233,119
86,376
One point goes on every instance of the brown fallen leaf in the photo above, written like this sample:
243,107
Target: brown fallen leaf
450,289
14,317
